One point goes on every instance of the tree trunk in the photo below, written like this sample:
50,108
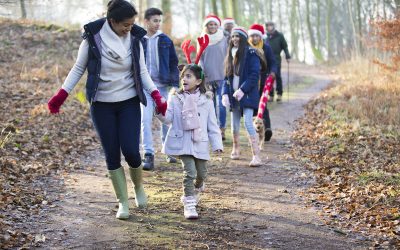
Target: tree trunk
271,17
294,35
214,7
397,3
358,2
167,17
319,25
141,10
23,9
328,28
353,26
224,8
302,30
235,11
280,16
202,9
316,52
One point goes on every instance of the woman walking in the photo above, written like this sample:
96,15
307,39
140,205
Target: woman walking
240,92
117,78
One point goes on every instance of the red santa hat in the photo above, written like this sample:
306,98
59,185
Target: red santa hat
256,29
228,20
212,18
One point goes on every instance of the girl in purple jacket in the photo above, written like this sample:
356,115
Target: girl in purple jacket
193,126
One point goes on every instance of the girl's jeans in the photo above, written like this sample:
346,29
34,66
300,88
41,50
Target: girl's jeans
194,173
248,119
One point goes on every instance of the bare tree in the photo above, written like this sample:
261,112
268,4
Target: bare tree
214,7
294,31
23,9
328,28
167,17
302,30
224,8
235,10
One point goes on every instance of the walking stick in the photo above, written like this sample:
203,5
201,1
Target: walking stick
287,80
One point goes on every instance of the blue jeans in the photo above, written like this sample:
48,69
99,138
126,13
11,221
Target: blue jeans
147,121
220,110
248,119
118,126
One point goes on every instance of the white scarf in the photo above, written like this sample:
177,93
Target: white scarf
114,47
216,37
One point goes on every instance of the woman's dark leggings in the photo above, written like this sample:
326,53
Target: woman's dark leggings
118,126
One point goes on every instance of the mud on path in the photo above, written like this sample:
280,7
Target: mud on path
243,208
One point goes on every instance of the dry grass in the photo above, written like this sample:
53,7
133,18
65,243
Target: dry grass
368,94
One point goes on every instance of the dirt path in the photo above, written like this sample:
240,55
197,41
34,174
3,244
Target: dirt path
243,208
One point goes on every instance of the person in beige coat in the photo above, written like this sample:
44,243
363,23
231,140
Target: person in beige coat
193,128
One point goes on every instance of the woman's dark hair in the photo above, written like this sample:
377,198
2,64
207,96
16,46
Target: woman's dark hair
152,12
233,64
198,73
119,10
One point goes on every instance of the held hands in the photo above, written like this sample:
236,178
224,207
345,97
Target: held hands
238,94
225,101
56,101
161,103
273,75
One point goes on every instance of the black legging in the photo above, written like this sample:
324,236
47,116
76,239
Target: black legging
118,126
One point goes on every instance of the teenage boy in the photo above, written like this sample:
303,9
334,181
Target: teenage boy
162,64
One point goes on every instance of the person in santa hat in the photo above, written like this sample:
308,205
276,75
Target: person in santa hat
256,34
212,62
228,24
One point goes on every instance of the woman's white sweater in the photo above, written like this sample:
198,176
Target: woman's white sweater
116,77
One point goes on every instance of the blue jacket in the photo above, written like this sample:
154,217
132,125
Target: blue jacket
248,80
168,60
92,34
271,64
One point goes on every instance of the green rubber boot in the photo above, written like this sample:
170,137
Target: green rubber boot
119,183
137,180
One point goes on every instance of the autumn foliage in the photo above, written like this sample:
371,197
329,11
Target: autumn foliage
36,148
349,139
386,37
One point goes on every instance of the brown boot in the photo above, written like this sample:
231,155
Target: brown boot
255,150
236,149
223,133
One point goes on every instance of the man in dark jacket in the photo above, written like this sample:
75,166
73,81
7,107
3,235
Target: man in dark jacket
162,64
278,43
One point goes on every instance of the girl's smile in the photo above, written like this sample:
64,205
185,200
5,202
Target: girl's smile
235,39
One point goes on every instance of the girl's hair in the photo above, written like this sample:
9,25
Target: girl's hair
232,65
119,10
198,73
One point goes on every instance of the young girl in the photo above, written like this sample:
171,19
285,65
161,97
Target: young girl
240,92
193,126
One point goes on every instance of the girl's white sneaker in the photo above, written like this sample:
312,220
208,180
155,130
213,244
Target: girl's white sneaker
189,204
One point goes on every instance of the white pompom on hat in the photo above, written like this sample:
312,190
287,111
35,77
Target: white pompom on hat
256,29
228,20
241,31
212,18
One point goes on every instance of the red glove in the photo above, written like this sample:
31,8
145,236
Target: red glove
56,101
161,104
